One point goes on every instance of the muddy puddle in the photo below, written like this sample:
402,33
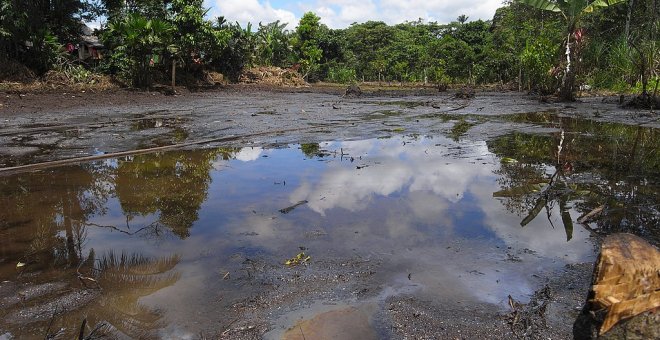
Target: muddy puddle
195,243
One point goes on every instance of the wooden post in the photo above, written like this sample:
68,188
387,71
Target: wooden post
173,75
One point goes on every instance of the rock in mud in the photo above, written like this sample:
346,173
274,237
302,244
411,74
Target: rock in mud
643,101
353,91
349,323
465,93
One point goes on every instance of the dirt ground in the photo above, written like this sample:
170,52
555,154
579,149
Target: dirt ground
38,129
44,127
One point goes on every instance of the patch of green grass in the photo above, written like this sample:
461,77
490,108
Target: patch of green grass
460,128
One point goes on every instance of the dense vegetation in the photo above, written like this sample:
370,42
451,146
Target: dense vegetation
612,44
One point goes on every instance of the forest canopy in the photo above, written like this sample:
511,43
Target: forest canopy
524,45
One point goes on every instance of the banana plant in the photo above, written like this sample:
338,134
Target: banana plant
143,41
572,11
273,45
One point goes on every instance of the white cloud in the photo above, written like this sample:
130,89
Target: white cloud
249,154
253,11
342,13
395,168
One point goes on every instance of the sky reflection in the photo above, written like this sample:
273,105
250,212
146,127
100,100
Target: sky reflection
423,206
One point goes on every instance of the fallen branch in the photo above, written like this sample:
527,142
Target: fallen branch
117,229
289,209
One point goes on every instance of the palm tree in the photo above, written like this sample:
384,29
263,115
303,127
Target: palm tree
462,19
142,40
572,11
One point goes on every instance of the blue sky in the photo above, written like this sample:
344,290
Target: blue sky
341,13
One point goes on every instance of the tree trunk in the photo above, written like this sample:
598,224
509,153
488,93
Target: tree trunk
173,75
631,3
566,92
519,76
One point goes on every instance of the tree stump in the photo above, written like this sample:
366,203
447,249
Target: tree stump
626,283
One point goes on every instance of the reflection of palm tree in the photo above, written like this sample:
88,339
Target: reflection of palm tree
45,226
124,279
109,301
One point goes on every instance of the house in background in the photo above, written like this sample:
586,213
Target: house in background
90,48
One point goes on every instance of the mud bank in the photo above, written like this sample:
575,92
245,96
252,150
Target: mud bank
45,127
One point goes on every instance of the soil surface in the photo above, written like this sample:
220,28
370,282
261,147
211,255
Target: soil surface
39,129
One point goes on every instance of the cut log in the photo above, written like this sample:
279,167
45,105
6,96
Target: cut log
626,280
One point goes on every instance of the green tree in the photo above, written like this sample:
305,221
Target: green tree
138,45
32,32
193,37
238,50
273,46
192,33
572,11
365,44
457,55
462,19
307,43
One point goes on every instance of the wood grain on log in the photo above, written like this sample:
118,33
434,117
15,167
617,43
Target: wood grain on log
626,279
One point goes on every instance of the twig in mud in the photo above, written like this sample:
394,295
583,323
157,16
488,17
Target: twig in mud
227,329
451,109
50,324
289,209
83,278
81,334
301,332
587,217
117,229
527,319
91,334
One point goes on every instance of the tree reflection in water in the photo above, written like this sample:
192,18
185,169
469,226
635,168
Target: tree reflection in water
607,165
44,222
44,231
172,185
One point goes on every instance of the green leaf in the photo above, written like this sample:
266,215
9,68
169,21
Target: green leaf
568,224
601,3
545,5
566,219
540,203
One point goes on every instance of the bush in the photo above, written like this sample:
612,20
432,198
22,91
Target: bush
341,74
612,65
537,61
